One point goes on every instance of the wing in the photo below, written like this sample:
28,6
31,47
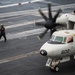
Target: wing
72,18
71,21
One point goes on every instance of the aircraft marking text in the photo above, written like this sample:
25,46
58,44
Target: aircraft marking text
65,51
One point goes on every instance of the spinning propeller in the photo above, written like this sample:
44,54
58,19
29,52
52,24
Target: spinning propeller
49,23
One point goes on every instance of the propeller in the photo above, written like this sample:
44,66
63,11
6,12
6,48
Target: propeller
49,23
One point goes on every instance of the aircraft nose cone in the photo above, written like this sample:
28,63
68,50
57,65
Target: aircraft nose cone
43,52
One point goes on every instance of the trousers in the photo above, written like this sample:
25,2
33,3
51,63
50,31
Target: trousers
3,36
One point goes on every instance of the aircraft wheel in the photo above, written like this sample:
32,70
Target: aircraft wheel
56,68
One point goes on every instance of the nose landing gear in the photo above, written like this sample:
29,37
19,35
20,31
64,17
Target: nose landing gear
55,68
53,64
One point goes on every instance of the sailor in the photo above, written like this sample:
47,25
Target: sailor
2,32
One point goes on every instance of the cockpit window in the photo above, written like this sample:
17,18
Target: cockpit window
52,37
60,40
57,40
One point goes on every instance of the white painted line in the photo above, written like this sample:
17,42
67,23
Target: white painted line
10,14
8,5
18,57
24,12
24,34
23,24
11,5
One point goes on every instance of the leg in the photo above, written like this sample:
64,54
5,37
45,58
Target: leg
0,36
4,37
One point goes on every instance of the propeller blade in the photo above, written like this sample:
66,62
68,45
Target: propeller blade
43,15
52,31
49,23
40,23
57,14
42,34
49,13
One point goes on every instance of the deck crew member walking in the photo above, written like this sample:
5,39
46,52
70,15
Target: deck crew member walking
2,32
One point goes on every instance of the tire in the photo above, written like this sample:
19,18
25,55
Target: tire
56,69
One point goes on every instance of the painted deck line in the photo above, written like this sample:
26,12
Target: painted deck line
22,3
18,57
10,14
